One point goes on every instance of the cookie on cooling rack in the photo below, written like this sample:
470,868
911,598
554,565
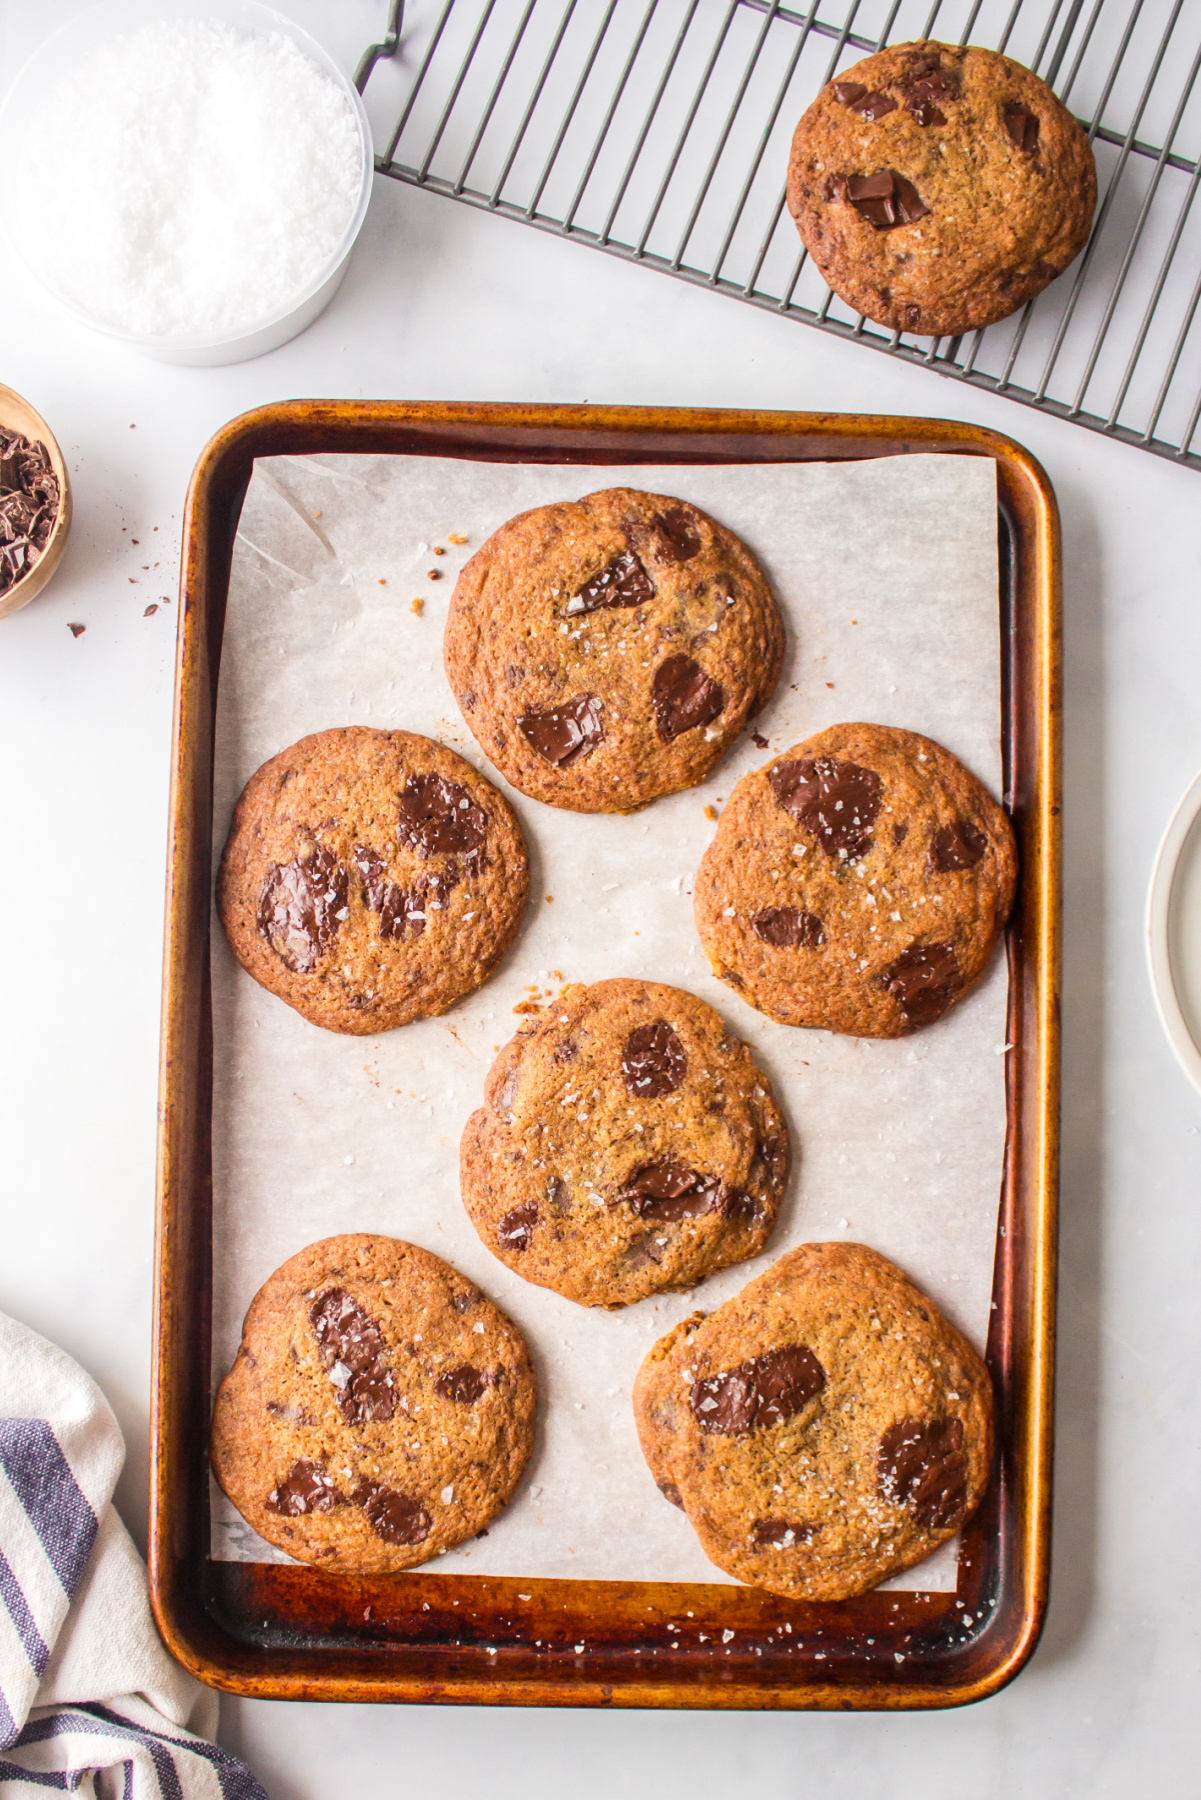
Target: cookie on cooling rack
608,650
627,1144
380,1407
823,1430
938,189
371,878
857,883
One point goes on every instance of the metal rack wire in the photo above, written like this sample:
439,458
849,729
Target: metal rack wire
658,131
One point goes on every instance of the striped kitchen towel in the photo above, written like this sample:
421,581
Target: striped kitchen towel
90,1701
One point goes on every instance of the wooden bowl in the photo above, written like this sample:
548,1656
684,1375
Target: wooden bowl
17,415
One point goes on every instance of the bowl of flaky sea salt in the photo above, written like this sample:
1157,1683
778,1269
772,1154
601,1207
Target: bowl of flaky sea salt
189,179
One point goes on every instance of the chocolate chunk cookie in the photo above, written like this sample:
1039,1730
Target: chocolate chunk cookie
379,1409
939,189
857,883
371,878
823,1430
608,650
627,1144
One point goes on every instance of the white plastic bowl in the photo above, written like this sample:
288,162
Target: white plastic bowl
56,59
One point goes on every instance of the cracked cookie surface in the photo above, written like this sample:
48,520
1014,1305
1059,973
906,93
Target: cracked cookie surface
380,1408
823,1430
371,878
627,1144
938,189
857,883
608,650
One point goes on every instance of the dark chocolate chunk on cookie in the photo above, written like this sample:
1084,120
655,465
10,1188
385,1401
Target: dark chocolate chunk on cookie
627,1144
379,1408
823,1430
611,649
858,883
371,878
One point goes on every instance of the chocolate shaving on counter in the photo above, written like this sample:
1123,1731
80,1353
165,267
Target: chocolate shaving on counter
1022,127
761,1392
564,734
885,199
29,503
622,582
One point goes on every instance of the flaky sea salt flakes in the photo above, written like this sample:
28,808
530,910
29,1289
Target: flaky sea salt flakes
190,178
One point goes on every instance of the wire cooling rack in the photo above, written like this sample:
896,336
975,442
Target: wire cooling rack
658,130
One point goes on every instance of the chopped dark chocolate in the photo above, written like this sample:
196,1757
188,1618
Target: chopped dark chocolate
958,846
29,505
564,734
395,1517
874,106
849,93
684,697
837,801
668,1191
885,199
780,1534
676,536
923,980
622,582
787,928
924,92
1022,126
352,1354
301,906
920,1464
516,1230
307,1488
463,1385
439,817
402,912
653,1061
761,1392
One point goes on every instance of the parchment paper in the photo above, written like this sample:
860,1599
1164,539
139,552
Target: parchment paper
887,574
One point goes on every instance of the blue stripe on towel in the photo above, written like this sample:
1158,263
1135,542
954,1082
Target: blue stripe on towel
237,1783
57,1508
22,1618
78,1721
60,1778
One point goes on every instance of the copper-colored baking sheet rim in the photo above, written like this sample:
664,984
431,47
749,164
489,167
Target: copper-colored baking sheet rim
282,1632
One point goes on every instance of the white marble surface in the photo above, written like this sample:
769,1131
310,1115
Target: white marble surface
443,302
